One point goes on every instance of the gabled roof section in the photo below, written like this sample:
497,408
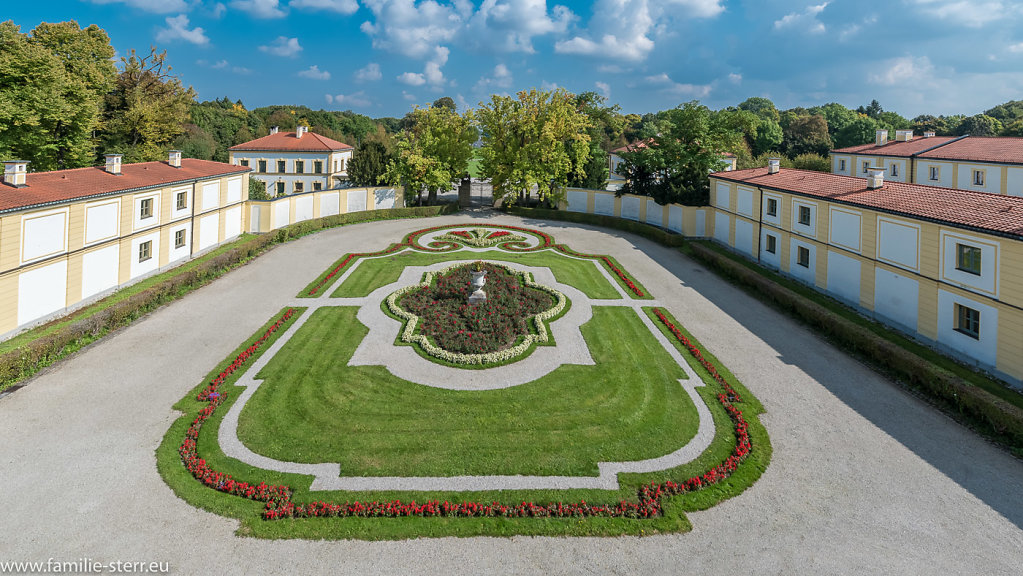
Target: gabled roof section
982,211
63,186
288,142
899,149
1002,150
639,145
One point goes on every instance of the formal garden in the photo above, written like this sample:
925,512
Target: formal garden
467,380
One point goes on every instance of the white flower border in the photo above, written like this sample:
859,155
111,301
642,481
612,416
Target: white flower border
478,242
408,335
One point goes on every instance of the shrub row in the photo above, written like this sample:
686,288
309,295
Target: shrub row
26,360
647,231
1002,419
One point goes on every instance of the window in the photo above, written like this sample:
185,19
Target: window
866,167
299,187
968,259
244,163
803,257
804,215
342,164
335,166
282,166
935,173
895,170
145,250
772,207
179,238
772,244
280,188
318,166
181,200
317,185
299,167
968,321
146,208
978,177
841,165
262,166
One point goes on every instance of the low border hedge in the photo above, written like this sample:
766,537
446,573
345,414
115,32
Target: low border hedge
647,231
998,418
23,362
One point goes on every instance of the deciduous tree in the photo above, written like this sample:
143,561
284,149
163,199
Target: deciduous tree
432,153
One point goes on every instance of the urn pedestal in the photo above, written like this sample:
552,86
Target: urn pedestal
479,279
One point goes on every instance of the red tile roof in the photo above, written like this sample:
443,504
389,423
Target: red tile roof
288,142
634,146
980,149
982,211
900,149
61,186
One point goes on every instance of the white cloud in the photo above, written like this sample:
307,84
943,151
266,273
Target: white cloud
610,69
220,65
340,6
408,97
240,70
371,73
177,29
283,46
260,8
224,65
412,79
604,88
156,6
412,30
511,25
971,13
805,21
357,100
904,71
663,83
1016,48
501,79
314,73
218,10
550,86
625,29
735,78
431,74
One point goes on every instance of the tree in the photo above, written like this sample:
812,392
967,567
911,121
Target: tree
872,110
979,125
807,134
369,163
811,161
445,102
762,107
1007,112
51,88
533,141
433,153
147,109
688,145
606,125
257,190
862,130
837,115
196,143
1015,129
928,123
768,136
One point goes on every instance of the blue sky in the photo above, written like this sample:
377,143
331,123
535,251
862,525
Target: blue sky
378,57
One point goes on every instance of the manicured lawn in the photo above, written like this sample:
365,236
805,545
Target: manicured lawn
312,407
373,273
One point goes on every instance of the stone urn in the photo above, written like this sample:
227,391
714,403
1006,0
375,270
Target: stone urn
479,280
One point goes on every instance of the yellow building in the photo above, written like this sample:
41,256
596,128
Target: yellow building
993,165
72,236
294,162
942,264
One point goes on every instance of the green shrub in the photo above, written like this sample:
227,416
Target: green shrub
647,231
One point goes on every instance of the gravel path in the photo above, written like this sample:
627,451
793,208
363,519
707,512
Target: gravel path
865,479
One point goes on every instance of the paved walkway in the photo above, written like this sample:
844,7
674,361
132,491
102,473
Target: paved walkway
865,479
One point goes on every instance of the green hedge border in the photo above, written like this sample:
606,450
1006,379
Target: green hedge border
650,232
53,345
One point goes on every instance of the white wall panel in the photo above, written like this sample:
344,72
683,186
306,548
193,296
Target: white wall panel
383,198
983,349
303,208
1014,182
101,221
210,195
282,213
234,190
767,258
844,277
330,204
577,200
630,208
152,263
744,201
898,243
43,235
209,231
153,219
233,222
100,270
356,200
845,229
806,274
700,230
675,218
744,236
896,298
722,196
180,212
177,253
654,213
722,227
987,280
42,291
603,204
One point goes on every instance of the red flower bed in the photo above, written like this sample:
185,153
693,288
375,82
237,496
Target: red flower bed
695,352
607,262
348,259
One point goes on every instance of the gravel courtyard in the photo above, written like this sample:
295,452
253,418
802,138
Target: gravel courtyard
865,479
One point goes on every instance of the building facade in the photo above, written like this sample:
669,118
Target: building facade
294,162
943,265
992,165
71,236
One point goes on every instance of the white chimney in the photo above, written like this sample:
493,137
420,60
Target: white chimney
928,134
15,172
903,135
113,164
881,137
773,165
300,131
274,129
175,158
876,178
